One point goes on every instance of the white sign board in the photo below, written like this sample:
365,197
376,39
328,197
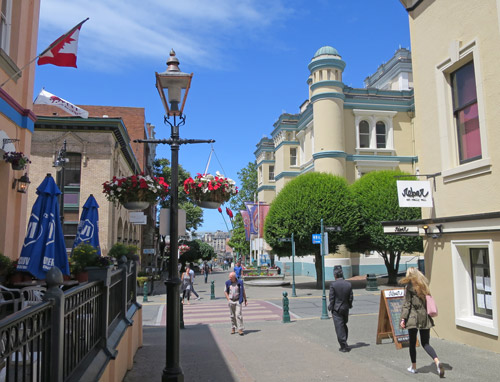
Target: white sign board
165,222
137,217
414,193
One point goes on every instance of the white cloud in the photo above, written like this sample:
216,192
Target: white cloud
122,31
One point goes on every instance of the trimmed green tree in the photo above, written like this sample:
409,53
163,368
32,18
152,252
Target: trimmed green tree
376,197
299,208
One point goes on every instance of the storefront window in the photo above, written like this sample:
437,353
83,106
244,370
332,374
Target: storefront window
481,282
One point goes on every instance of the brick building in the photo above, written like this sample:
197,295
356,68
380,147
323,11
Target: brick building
98,148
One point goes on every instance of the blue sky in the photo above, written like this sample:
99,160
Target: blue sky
249,59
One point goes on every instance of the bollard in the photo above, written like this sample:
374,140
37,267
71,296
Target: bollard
286,314
181,313
145,292
371,282
212,291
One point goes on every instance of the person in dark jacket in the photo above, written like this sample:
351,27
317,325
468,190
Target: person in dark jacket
340,302
414,317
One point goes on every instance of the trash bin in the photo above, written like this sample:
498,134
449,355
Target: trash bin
371,282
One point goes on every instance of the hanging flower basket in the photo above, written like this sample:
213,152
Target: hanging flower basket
17,160
209,191
136,192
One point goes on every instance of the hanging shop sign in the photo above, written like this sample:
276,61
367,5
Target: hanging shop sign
414,193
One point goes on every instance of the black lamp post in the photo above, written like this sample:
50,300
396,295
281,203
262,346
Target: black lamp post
59,163
173,87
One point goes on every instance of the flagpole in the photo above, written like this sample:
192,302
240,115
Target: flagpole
45,51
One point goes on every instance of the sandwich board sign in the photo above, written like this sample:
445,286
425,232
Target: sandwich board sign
389,316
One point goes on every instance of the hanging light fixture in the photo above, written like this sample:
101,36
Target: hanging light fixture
22,184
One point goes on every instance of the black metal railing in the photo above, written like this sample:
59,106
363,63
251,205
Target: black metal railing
59,338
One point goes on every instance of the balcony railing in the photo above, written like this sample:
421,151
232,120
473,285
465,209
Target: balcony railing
61,338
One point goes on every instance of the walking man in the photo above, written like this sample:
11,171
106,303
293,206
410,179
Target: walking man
206,270
235,295
237,269
340,302
191,273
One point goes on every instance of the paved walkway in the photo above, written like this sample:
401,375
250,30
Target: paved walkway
303,350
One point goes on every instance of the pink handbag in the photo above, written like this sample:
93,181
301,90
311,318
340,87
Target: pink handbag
432,309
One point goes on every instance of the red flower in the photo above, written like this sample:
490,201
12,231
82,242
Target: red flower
229,212
219,209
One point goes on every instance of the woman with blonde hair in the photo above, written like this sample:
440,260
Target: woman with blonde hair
414,317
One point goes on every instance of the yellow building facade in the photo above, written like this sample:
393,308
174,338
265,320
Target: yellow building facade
343,131
457,84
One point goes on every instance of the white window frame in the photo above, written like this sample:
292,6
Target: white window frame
271,172
372,117
261,175
6,26
462,287
452,170
294,164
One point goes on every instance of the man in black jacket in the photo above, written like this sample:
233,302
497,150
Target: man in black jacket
340,302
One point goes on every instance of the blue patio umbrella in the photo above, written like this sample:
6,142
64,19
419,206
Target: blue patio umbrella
88,227
44,245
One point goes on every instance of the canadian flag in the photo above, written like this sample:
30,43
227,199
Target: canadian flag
62,52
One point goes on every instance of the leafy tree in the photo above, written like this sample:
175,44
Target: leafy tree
248,188
197,250
194,214
376,196
299,208
238,239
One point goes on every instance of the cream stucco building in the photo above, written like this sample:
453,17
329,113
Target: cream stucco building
343,131
457,82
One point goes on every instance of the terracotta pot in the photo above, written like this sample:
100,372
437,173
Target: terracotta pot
82,276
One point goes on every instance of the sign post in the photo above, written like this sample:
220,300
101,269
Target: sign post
285,239
324,314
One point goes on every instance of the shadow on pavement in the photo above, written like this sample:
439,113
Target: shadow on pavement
194,340
359,345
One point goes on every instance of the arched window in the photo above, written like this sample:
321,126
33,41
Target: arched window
381,132
364,134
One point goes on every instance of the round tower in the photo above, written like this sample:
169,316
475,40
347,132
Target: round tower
327,97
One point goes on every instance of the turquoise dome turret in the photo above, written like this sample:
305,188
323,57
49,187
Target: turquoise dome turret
326,50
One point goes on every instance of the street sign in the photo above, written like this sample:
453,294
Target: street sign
285,239
335,228
316,238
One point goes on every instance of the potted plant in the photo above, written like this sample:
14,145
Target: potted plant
5,264
18,160
209,191
84,257
136,192
118,250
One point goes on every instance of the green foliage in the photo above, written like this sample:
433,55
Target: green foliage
5,264
194,214
247,177
119,249
377,200
197,250
238,239
84,255
299,208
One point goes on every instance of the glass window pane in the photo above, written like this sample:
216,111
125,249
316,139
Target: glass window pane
364,134
381,134
464,86
468,132
481,282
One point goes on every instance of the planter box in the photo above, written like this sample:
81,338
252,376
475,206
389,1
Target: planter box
250,278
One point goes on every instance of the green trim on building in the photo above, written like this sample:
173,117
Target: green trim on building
319,84
288,143
328,95
286,173
263,188
326,63
358,157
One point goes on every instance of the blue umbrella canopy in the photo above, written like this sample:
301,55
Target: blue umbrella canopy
44,245
88,227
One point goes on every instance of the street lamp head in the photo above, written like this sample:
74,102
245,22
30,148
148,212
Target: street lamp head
173,86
